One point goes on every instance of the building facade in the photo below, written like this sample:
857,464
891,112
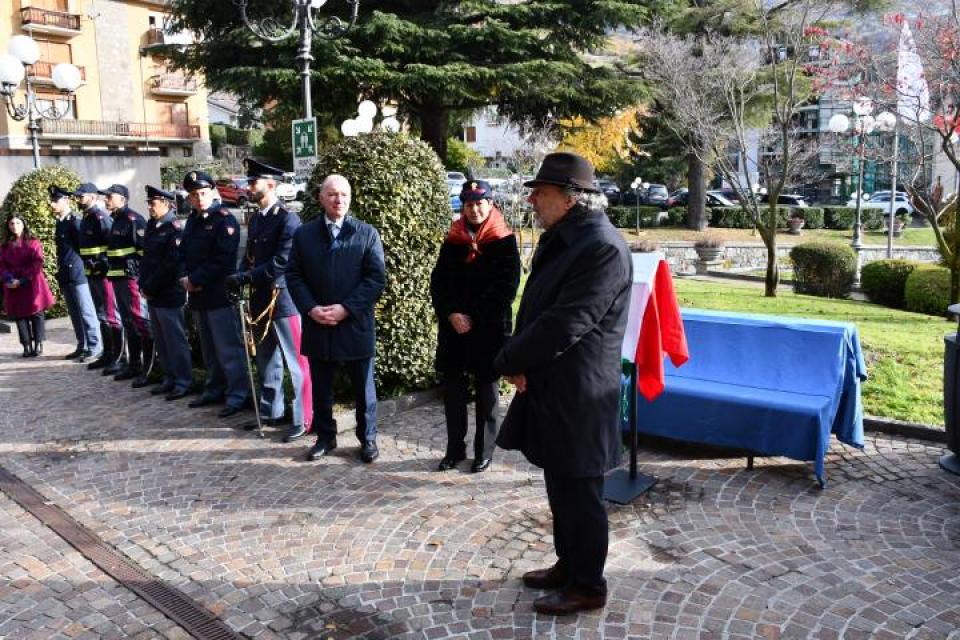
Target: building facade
130,115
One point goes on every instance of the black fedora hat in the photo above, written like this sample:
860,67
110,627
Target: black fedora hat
565,169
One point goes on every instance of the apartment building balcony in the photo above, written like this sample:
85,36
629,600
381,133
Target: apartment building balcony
37,20
172,84
105,131
41,72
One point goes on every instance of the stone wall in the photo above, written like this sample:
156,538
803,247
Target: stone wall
682,257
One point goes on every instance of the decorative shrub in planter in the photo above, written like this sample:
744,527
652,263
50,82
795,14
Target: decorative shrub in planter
823,269
709,248
795,223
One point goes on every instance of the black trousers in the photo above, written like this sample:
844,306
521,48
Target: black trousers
32,328
455,388
580,530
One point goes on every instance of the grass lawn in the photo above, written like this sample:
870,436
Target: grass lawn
904,351
921,236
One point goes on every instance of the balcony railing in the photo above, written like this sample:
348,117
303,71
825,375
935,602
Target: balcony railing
173,83
107,129
154,37
38,18
42,71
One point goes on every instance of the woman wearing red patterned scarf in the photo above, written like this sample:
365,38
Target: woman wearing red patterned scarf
473,286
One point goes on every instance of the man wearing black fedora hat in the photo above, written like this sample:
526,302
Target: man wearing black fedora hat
564,359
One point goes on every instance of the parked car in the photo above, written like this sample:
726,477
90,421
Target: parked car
881,200
291,188
233,190
791,200
610,189
681,197
655,195
456,175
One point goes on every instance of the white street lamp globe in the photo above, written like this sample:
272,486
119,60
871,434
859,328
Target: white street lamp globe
839,123
367,110
388,110
863,106
66,77
349,128
316,4
364,125
886,122
391,125
11,73
24,49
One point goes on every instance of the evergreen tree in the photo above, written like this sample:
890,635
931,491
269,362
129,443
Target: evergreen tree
430,57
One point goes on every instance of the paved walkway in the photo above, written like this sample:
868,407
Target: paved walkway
280,548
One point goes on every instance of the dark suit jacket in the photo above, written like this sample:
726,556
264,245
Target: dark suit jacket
161,269
349,271
69,262
269,238
208,248
567,342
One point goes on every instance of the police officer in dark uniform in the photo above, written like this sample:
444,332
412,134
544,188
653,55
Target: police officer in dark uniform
208,247
160,273
124,252
94,233
269,238
72,279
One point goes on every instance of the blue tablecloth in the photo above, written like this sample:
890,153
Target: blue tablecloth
774,385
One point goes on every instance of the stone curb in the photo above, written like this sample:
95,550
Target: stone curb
904,429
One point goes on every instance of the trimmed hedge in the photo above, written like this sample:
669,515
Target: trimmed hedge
842,218
927,290
28,196
885,281
626,217
677,216
730,218
813,217
399,186
823,269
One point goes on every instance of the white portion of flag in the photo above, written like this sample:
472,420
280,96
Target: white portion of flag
913,94
644,271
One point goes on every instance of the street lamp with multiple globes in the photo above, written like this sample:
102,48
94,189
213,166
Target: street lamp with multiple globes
363,123
23,52
304,22
863,124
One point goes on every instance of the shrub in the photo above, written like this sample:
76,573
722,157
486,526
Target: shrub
708,240
677,216
823,269
399,186
626,217
730,218
28,196
928,290
843,217
884,281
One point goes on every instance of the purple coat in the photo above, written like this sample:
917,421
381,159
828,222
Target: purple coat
24,262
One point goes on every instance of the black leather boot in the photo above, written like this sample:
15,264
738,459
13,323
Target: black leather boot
117,359
132,368
146,350
106,337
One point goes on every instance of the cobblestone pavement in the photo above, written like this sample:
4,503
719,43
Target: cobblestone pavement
280,548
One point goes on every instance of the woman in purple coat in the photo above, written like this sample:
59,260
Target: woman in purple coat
26,294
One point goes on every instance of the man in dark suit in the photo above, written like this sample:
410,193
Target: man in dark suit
276,319
72,279
208,248
335,275
564,359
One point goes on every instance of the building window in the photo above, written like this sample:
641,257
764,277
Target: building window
54,52
469,134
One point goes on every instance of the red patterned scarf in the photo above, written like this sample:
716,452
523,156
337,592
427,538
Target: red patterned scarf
491,229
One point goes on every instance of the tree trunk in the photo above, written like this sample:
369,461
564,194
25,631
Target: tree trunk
434,122
769,234
697,196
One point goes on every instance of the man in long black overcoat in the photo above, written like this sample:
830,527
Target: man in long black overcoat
564,359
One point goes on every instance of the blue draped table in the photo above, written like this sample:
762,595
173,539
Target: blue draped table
773,385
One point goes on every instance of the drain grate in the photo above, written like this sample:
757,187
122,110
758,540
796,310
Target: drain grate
176,605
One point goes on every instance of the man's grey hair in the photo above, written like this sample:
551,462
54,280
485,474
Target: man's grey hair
591,201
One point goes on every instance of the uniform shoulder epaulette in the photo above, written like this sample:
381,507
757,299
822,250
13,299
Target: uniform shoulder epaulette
223,211
131,216
177,224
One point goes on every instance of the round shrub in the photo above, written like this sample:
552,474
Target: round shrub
823,269
928,290
884,281
28,196
677,216
399,187
838,217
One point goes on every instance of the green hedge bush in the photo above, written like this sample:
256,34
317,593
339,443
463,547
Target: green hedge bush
885,281
626,217
843,217
28,197
399,186
677,216
813,217
823,269
927,290
730,218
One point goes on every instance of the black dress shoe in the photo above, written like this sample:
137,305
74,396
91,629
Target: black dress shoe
551,578
568,601
203,401
113,368
176,395
369,452
76,353
480,465
449,462
320,449
87,355
128,373
141,381
226,412
295,431
161,389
